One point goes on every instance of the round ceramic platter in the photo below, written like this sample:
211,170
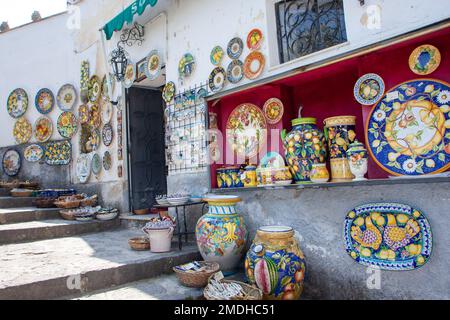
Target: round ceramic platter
425,60
95,139
33,153
107,135
235,48
95,88
58,153
169,92
186,66
105,90
369,89
130,75
201,94
272,160
67,97
11,162
273,110
390,236
44,101
67,124
84,114
153,65
107,110
216,55
83,168
254,65
235,71
107,161
43,129
246,128
254,39
410,135
96,164
217,79
23,130
95,118
17,103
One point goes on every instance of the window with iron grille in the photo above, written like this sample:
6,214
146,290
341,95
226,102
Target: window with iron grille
307,26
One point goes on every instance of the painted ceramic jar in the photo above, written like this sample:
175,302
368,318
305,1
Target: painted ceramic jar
319,173
340,132
358,159
249,177
304,146
276,264
234,177
221,233
221,178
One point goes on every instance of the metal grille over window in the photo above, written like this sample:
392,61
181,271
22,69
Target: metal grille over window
307,26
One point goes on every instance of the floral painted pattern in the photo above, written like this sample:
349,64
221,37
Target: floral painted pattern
43,129
23,130
17,103
58,153
67,124
44,101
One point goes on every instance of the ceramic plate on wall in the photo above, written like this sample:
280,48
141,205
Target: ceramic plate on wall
44,101
95,88
425,60
217,79
216,55
107,161
168,92
33,153
11,163
273,110
83,168
107,135
17,103
95,118
186,65
390,236
58,153
235,48
67,124
84,81
153,64
84,114
369,89
272,160
96,164
43,129
254,65
201,94
235,71
254,39
105,89
130,75
67,97
106,110
95,139
23,130
408,131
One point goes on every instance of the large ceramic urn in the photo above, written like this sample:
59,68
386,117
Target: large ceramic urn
221,233
276,264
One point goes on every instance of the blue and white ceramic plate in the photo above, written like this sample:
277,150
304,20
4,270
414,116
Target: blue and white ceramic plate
272,160
33,153
390,236
44,101
11,162
235,48
369,89
235,71
217,79
408,131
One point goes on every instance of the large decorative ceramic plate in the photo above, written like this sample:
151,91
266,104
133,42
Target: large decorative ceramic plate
168,92
216,55
391,236
67,97
83,168
254,65
186,65
43,129
254,39
130,75
273,110
95,118
107,161
84,114
95,88
106,110
369,89
33,153
235,71
84,81
105,89
58,153
44,101
23,130
153,65
235,48
17,103
11,162
96,164
67,124
246,130
107,135
272,160
408,131
425,60
217,79
95,139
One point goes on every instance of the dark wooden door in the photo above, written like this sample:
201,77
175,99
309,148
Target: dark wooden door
147,164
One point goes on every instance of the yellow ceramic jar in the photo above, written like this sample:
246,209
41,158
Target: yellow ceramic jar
249,177
319,173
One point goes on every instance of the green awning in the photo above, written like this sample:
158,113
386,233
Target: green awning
126,15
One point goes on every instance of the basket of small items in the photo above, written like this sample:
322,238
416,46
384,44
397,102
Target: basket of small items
69,202
89,201
139,243
196,274
16,192
220,289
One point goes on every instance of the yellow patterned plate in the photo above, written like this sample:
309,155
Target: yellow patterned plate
95,88
43,129
425,60
273,110
67,124
22,131
84,114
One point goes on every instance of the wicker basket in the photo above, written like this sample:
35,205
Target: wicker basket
29,185
44,203
139,243
197,279
89,202
68,204
10,185
251,292
21,193
67,215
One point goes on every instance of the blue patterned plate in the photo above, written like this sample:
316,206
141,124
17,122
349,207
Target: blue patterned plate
235,48
235,71
391,236
369,89
44,101
408,130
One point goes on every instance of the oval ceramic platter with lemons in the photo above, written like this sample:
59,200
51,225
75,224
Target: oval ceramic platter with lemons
408,130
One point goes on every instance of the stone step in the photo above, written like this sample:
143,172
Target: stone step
16,202
75,266
17,215
4,192
50,229
133,221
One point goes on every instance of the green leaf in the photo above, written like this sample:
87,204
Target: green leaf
435,93
379,149
442,157
286,280
401,97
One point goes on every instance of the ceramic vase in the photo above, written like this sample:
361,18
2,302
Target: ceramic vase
249,177
319,173
234,177
304,146
221,178
276,264
357,158
340,132
221,233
